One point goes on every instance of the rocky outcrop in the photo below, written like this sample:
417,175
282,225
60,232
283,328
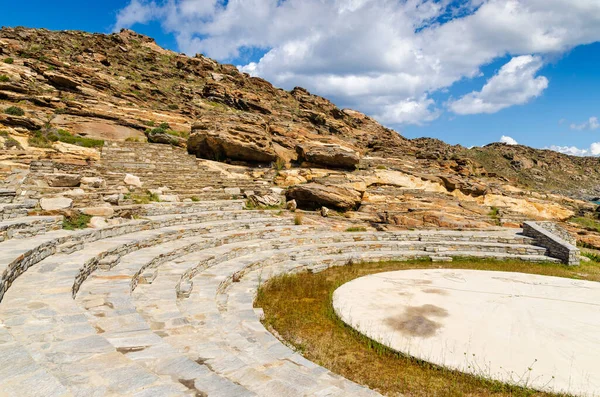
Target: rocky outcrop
315,195
328,155
165,138
242,137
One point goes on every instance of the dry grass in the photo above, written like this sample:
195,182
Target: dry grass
299,308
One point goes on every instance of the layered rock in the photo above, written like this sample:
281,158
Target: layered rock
315,195
328,155
242,137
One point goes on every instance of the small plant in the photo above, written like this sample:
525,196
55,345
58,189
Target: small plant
587,223
14,111
356,229
495,215
592,256
4,78
9,60
42,140
10,143
298,219
195,199
279,164
381,167
173,106
145,198
76,221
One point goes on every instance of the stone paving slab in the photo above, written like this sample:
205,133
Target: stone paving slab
532,330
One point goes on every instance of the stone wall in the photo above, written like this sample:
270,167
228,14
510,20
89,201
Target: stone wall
555,245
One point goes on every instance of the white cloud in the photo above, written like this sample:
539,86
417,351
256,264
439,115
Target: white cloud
508,140
379,56
591,124
514,84
593,150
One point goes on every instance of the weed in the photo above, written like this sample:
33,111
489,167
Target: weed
42,140
298,219
9,60
144,198
494,214
381,167
4,78
593,256
356,229
10,143
195,199
279,164
77,221
14,111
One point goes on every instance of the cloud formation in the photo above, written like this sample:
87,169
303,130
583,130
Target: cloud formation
591,124
515,84
387,58
593,150
508,140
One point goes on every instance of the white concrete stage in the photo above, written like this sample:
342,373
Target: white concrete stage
543,332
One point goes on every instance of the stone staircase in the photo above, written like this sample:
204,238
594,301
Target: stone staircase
163,305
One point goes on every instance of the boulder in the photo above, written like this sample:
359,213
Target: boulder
324,212
106,212
63,180
291,205
132,180
169,198
98,222
60,80
242,137
268,200
315,195
167,139
328,155
234,191
92,182
55,203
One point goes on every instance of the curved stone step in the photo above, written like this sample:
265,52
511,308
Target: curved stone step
28,226
66,334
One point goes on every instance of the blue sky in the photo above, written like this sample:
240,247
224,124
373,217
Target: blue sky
366,60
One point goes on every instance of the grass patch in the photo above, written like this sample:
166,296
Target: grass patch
195,199
250,205
4,78
45,139
299,308
67,137
14,111
76,221
165,128
145,198
494,214
587,223
9,60
356,229
593,256
41,140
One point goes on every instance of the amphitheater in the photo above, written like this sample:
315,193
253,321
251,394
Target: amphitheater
162,304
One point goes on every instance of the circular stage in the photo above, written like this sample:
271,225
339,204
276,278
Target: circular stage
536,331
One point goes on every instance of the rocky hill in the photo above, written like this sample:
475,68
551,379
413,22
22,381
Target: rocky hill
63,95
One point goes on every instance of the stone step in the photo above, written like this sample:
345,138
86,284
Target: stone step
16,256
51,281
28,226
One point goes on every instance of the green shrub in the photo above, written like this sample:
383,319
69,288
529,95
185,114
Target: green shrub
14,111
165,128
41,139
4,78
593,256
67,137
9,60
78,221
195,199
356,229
